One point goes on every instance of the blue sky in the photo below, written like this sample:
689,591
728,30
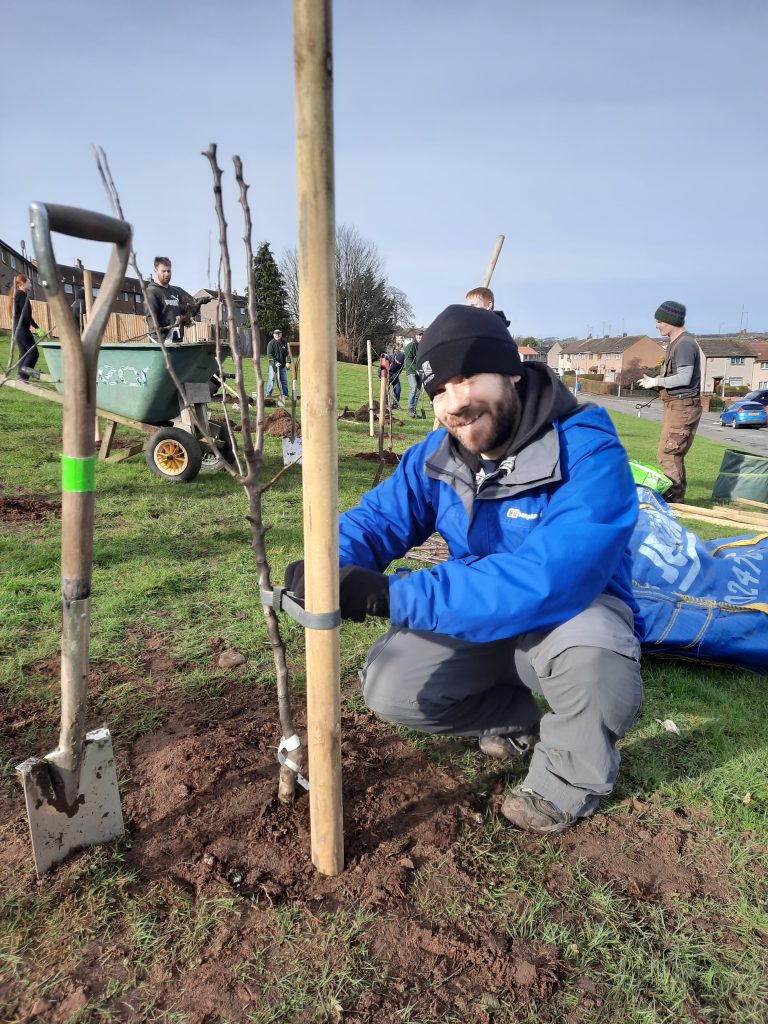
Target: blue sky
619,145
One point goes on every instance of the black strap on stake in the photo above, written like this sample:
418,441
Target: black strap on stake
282,600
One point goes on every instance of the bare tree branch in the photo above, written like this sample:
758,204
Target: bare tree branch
253,455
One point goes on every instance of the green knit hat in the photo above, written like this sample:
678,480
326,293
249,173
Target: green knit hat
672,313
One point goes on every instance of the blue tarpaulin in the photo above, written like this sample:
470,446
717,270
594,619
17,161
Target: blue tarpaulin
700,599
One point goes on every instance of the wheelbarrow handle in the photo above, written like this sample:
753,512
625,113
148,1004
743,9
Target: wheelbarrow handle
70,220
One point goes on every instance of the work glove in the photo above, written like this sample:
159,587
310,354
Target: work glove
648,382
294,578
39,332
361,591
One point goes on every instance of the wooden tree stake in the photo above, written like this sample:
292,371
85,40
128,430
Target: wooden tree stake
370,384
317,323
492,264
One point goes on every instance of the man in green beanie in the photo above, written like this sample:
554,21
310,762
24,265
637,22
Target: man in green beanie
680,385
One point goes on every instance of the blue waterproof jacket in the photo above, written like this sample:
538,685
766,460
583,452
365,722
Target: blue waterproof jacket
531,546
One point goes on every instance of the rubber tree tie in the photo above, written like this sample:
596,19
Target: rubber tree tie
282,600
78,475
291,743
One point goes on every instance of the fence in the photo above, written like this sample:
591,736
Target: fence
124,327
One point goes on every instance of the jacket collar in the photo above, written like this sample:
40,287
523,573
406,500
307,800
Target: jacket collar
535,465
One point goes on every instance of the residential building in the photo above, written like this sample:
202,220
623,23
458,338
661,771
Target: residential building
129,299
620,360
760,368
215,310
725,360
13,262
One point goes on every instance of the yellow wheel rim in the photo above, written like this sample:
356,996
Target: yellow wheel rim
171,457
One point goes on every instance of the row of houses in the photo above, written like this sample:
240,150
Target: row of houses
735,361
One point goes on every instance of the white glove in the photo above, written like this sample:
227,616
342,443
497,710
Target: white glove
648,382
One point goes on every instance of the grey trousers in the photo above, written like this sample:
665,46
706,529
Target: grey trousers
588,670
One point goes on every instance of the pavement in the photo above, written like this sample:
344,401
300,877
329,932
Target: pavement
753,440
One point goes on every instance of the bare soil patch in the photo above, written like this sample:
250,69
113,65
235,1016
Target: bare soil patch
26,508
390,458
201,816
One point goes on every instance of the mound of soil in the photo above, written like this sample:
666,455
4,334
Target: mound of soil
25,508
363,414
391,458
278,424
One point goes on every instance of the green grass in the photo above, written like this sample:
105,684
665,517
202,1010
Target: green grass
172,570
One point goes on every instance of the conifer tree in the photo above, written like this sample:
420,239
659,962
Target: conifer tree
269,292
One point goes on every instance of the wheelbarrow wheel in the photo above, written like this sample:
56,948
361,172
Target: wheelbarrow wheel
174,454
213,461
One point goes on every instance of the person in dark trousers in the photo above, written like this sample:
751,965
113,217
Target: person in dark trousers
411,371
172,308
20,310
534,496
278,358
680,384
394,364
78,308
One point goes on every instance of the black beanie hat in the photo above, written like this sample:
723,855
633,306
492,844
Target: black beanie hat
672,313
463,341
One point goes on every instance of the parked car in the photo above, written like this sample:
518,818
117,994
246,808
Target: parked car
760,396
743,413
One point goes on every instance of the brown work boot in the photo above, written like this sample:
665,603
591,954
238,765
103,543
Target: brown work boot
508,748
533,813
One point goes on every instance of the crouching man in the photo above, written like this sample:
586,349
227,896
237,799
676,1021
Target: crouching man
534,497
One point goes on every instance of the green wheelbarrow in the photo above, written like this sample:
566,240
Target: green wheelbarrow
134,387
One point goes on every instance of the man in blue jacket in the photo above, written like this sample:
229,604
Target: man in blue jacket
534,497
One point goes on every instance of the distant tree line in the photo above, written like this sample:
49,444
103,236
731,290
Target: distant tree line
367,305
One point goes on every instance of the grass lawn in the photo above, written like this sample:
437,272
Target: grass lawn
174,572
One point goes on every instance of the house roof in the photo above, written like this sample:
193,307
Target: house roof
605,345
720,347
759,349
240,300
572,347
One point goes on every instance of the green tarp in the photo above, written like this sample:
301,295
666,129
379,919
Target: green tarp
742,476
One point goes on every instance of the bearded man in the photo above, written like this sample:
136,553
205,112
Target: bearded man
534,496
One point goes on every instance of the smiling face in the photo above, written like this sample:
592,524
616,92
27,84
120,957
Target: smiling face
482,412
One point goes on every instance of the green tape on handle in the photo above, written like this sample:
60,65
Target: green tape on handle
78,475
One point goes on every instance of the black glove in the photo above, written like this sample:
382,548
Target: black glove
294,578
363,592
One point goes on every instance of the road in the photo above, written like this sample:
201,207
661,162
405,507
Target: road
748,439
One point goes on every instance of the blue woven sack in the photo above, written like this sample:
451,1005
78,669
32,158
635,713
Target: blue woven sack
700,599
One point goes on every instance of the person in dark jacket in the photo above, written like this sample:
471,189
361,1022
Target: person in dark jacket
173,309
394,364
20,309
278,358
78,308
411,370
534,496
